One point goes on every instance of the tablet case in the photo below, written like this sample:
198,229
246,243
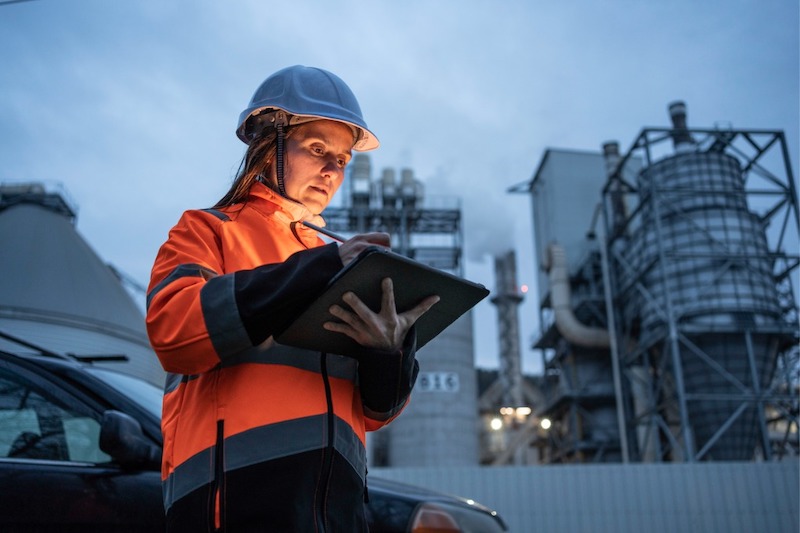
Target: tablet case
412,281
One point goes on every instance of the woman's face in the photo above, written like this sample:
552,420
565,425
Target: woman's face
314,162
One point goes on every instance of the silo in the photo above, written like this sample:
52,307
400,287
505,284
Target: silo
701,260
58,295
440,425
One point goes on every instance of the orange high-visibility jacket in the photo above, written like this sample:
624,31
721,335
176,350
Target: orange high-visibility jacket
256,432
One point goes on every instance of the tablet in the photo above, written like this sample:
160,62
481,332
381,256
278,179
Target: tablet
412,280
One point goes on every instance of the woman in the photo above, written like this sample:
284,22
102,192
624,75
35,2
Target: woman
259,436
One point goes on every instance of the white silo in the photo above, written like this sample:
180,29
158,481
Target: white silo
440,425
57,294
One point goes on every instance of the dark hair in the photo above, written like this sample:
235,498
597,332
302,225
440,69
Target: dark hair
257,161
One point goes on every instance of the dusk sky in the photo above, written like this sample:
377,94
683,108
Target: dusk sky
130,106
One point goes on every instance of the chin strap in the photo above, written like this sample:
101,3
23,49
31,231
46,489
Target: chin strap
280,122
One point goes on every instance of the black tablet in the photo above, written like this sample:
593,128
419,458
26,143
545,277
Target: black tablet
412,280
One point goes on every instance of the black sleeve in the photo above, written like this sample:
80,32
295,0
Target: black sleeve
270,297
386,378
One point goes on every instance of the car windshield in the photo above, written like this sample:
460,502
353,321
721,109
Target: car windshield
143,393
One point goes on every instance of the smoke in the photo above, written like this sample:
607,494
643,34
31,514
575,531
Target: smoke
490,215
488,228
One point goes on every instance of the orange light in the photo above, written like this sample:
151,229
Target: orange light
433,519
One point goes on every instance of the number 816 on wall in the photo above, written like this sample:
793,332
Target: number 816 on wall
437,382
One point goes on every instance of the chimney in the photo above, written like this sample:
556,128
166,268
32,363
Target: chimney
507,300
681,138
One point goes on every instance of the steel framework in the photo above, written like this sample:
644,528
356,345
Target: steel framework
660,411
429,235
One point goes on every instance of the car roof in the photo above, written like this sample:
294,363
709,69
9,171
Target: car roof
77,376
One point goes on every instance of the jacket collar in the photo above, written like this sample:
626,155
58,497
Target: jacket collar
287,211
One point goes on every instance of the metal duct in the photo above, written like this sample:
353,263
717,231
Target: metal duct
560,298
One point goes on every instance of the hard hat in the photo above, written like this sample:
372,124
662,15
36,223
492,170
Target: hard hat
304,94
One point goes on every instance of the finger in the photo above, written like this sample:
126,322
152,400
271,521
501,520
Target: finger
387,302
412,315
379,238
349,322
359,307
339,327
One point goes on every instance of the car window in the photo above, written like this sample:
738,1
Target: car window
35,424
143,393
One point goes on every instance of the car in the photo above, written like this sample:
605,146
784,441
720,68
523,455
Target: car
80,449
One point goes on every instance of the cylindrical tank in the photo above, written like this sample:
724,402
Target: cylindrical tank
439,427
360,184
702,261
718,264
389,193
410,189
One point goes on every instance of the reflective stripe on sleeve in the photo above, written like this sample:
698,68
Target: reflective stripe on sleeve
182,271
221,315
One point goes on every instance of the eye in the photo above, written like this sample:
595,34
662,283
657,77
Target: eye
342,162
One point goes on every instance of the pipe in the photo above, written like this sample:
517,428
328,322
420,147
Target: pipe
566,322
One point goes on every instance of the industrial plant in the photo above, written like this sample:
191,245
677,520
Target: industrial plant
667,295
669,323
666,285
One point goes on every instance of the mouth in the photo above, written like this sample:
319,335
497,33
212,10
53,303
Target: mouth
320,190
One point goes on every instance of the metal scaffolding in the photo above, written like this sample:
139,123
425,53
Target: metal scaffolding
702,247
441,227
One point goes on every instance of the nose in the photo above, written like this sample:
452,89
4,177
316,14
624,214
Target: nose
331,169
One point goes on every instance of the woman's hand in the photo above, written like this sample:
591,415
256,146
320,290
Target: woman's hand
350,249
384,330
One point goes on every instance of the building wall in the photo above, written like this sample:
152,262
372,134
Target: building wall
657,498
565,192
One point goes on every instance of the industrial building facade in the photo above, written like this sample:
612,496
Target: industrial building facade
669,313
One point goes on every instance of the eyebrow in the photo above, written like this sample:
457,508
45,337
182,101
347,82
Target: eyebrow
312,136
311,132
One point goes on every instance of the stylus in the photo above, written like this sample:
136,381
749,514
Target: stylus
324,231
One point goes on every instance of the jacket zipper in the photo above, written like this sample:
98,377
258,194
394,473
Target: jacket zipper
217,496
327,458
